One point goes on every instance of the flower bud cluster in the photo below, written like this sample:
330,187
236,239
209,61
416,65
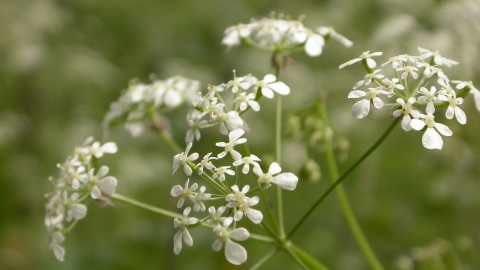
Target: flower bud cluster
207,111
419,82
140,101
78,180
282,35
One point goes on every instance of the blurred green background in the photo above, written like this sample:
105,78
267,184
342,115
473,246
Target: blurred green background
64,62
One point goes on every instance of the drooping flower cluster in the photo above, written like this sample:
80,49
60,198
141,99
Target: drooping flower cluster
419,82
140,101
282,35
207,111
78,180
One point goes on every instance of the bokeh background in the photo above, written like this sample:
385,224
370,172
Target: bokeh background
63,62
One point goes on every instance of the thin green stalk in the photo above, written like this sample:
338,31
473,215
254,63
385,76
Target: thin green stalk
264,259
278,152
306,258
343,200
341,178
145,206
168,139
269,210
344,175
163,212
296,259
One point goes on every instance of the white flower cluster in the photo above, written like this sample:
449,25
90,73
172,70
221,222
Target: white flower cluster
210,110
282,35
413,87
141,100
77,182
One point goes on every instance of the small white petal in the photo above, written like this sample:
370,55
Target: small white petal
361,108
417,124
240,234
79,211
107,185
356,94
266,92
254,215
432,140
235,253
286,181
176,191
217,245
450,112
377,102
177,242
460,115
443,129
187,238
280,88
371,63
274,168
95,193
269,78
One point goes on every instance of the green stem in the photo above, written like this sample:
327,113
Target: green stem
296,258
306,258
145,206
269,210
343,200
264,259
278,152
350,218
171,214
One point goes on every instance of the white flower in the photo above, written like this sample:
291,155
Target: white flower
247,100
183,233
75,210
286,181
453,109
364,56
101,184
406,111
199,198
474,91
56,239
182,159
238,82
368,79
431,139
268,86
195,125
361,108
216,215
205,163
234,139
184,192
396,61
221,171
429,70
429,98
233,34
97,150
228,121
242,203
234,253
252,159
446,88
408,70
390,86
437,58
330,32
